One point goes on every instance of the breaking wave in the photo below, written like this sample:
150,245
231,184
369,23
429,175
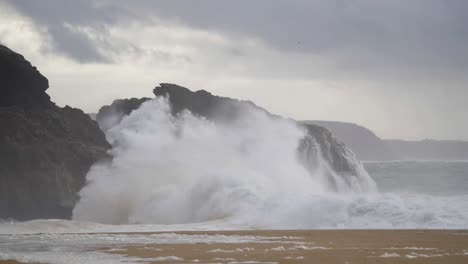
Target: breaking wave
246,174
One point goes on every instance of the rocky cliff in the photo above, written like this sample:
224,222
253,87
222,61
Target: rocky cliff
45,150
320,151
363,142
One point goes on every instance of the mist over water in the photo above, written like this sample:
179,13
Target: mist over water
186,171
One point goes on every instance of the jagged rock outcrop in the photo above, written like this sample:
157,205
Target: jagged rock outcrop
202,103
45,150
110,115
21,82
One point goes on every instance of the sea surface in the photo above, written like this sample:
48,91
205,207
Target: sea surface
435,178
411,195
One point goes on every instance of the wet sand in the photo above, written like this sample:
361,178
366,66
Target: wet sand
310,246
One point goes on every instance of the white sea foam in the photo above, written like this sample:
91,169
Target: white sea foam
251,262
389,255
60,257
279,248
83,248
185,169
413,248
218,250
364,211
304,247
167,258
414,255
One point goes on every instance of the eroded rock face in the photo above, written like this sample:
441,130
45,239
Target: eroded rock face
45,150
322,153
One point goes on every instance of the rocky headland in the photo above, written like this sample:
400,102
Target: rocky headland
45,151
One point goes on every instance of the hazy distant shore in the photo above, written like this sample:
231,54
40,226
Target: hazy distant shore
302,246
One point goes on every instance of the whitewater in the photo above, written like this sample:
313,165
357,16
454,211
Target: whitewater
185,172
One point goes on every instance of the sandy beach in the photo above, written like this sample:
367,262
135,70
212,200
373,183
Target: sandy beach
305,246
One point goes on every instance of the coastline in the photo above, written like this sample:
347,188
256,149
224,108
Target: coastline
295,246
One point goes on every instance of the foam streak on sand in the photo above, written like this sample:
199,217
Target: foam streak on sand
104,248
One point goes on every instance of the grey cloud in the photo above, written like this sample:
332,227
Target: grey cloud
53,14
324,25
77,12
424,36
75,45
420,36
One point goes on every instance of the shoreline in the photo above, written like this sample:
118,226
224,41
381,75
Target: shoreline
287,246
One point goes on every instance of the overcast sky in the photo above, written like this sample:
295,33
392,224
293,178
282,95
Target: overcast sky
398,67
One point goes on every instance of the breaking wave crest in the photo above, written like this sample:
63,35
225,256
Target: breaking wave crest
183,170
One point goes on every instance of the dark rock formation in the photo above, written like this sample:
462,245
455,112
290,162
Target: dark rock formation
363,142
110,115
202,102
21,82
45,150
334,151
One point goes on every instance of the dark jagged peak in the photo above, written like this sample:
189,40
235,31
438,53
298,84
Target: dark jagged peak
110,115
45,150
20,82
203,103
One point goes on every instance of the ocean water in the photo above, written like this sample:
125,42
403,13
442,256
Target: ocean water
435,178
428,195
